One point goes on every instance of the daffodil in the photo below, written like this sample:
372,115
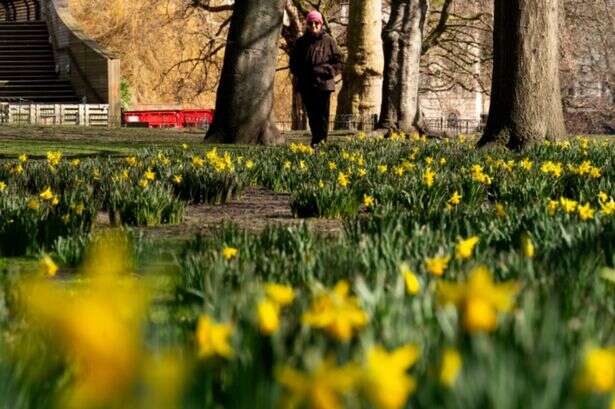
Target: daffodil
455,199
100,334
48,267
268,314
437,265
385,381
46,194
382,169
342,179
54,158
413,285
149,175
249,164
568,205
450,367
2,186
282,295
586,212
213,338
33,204
229,253
368,201
429,177
479,300
23,158
500,211
465,248
527,246
335,311
598,371
322,388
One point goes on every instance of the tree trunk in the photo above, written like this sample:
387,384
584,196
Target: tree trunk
291,33
244,103
362,76
526,104
403,42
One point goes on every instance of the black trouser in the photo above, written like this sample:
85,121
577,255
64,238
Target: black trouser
317,105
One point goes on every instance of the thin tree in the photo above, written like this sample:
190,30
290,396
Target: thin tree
403,43
526,104
244,101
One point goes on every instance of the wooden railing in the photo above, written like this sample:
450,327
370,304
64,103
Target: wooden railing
19,10
94,72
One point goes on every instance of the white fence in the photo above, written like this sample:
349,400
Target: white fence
94,115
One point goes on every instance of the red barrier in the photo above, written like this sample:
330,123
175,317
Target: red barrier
185,118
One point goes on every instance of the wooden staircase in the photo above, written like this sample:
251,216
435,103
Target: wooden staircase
27,66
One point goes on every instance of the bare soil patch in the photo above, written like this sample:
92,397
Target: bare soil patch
253,211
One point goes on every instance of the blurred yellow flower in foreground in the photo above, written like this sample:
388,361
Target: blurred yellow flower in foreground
99,326
386,383
527,246
48,267
437,265
268,309
598,372
323,388
336,312
282,295
413,285
213,338
450,367
479,299
268,314
229,253
465,248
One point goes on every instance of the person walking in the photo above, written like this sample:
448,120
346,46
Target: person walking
315,61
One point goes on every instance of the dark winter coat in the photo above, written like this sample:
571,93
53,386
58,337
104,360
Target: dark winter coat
315,61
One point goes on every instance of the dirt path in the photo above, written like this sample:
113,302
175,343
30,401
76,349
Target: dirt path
255,209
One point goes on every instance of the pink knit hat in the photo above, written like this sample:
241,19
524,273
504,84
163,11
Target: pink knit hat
314,16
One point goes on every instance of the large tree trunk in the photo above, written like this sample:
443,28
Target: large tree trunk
526,104
403,42
362,76
244,104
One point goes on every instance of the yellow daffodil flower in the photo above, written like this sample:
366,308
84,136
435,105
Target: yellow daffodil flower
527,246
450,367
322,388
465,248
429,177
413,285
268,314
586,212
385,381
48,267
437,265
335,311
229,253
282,295
213,338
368,201
479,299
